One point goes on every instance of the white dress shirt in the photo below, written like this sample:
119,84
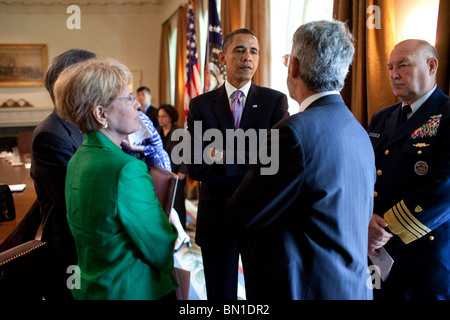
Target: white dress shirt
307,102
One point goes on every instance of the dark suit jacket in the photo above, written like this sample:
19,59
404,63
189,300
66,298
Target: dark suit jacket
413,193
264,107
152,113
55,140
168,145
306,226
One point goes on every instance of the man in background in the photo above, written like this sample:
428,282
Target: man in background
55,140
411,140
144,97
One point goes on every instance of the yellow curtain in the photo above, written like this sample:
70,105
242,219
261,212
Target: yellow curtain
164,65
230,16
257,19
443,46
367,88
180,71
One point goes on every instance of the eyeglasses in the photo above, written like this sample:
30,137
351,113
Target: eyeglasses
286,59
131,98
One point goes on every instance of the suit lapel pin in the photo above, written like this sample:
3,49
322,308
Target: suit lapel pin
255,106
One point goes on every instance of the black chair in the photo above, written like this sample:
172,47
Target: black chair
7,209
21,270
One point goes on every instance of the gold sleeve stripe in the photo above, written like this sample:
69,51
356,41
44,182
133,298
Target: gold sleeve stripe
403,223
412,220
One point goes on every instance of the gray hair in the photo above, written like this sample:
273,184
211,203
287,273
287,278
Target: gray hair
324,50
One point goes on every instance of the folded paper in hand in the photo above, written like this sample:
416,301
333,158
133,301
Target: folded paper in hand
143,133
384,262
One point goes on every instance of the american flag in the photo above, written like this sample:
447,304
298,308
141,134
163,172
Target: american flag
214,71
193,79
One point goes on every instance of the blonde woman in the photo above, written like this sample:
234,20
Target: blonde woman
124,241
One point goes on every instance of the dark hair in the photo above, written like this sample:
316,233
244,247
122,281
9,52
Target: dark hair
61,62
229,38
171,111
143,88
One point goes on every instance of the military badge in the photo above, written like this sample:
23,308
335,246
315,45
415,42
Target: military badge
429,129
421,145
421,168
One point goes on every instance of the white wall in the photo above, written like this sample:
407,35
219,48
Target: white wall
420,15
132,37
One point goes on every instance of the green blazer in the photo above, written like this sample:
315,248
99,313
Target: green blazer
124,240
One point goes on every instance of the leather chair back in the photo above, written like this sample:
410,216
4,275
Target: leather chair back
7,209
165,184
21,270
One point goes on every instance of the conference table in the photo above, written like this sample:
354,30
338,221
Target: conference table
25,202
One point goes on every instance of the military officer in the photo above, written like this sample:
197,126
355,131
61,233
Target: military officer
412,190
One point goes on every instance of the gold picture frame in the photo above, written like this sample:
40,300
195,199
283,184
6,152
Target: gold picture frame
22,65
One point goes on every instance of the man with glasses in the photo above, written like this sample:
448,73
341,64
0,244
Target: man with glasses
307,224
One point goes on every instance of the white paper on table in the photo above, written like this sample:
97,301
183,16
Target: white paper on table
17,187
384,261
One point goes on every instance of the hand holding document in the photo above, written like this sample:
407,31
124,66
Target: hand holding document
383,261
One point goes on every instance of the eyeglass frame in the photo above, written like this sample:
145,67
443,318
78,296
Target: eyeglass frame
286,59
131,98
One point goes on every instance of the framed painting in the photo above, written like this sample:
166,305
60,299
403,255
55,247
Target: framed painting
22,65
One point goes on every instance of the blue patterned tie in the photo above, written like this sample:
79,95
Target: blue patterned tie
236,108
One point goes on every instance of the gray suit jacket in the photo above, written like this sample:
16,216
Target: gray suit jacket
306,226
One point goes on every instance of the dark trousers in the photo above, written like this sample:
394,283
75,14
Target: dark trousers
61,254
178,203
221,270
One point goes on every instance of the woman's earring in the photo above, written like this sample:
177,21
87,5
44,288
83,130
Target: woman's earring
105,126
